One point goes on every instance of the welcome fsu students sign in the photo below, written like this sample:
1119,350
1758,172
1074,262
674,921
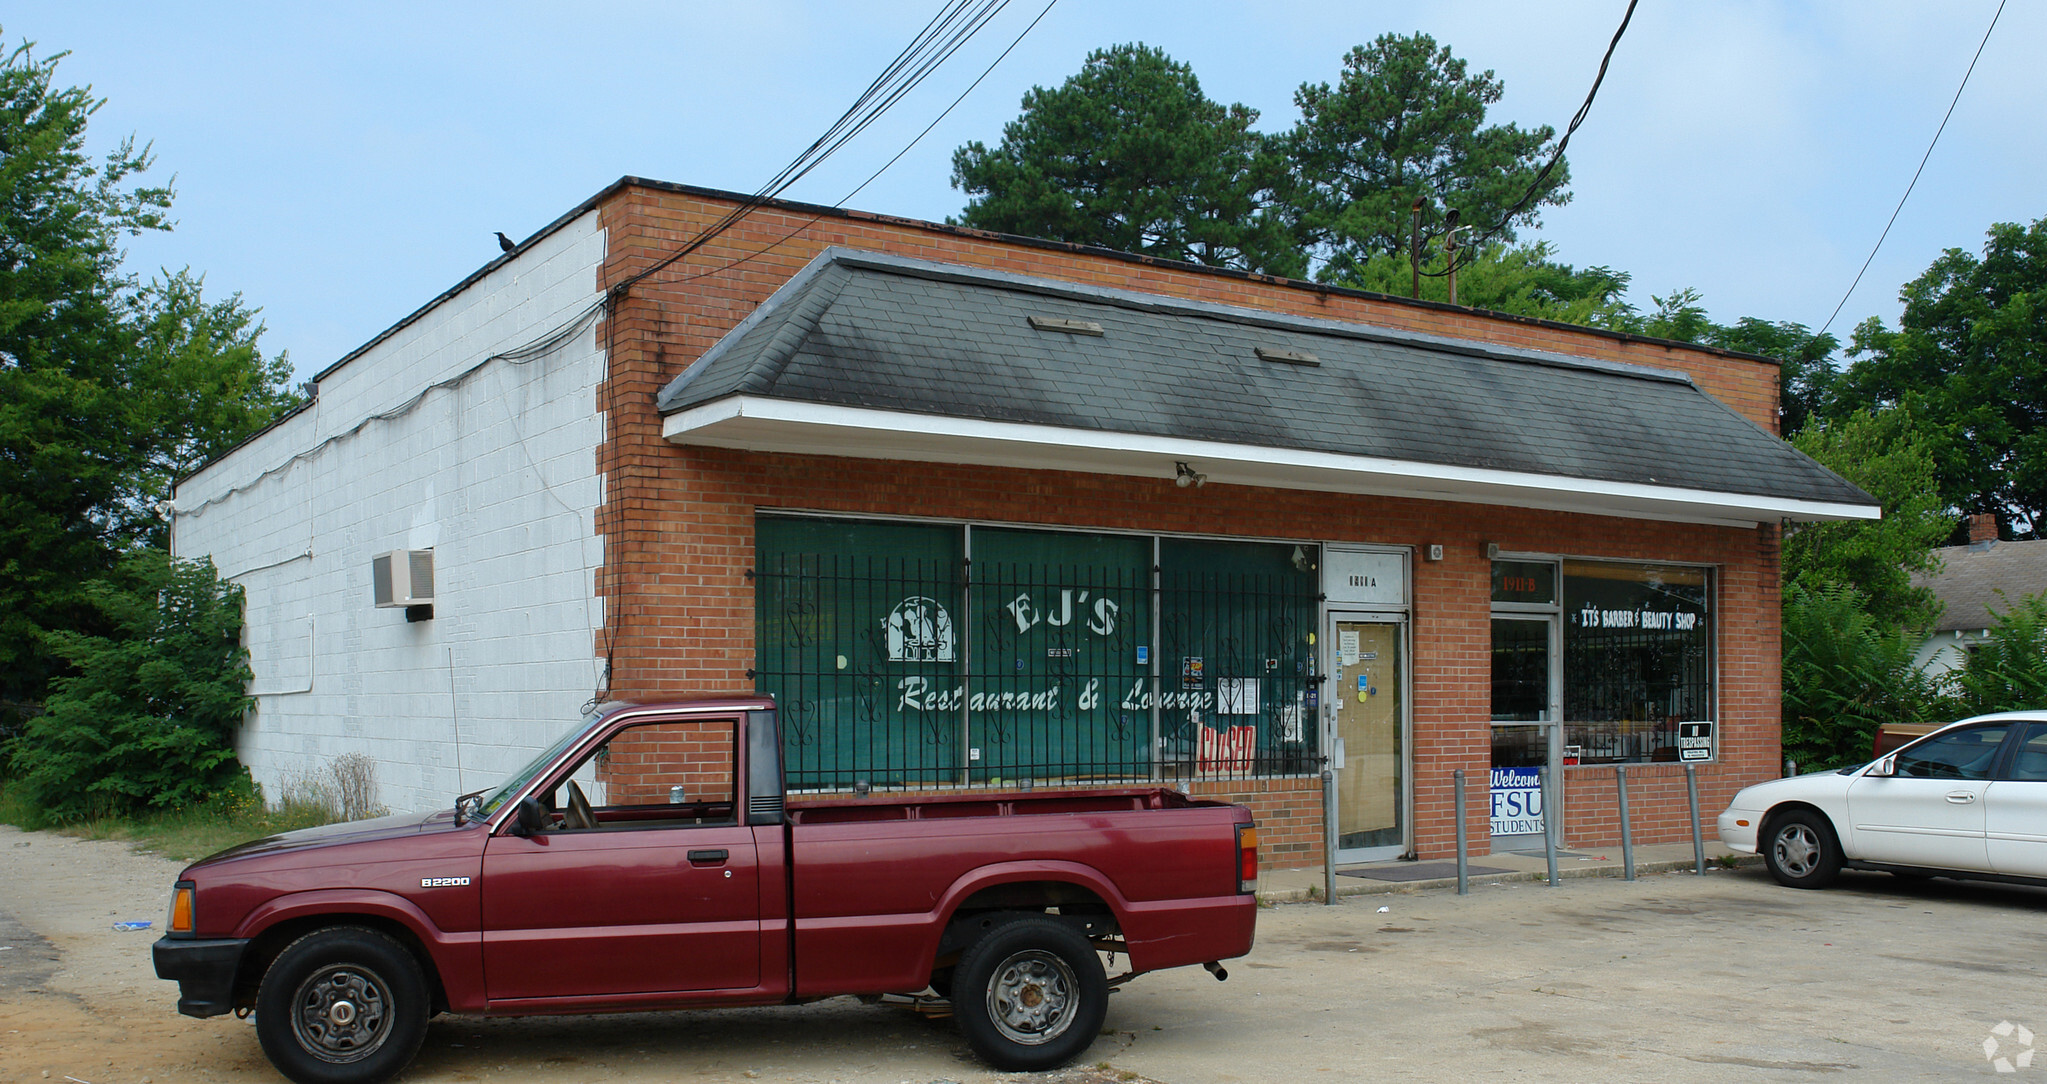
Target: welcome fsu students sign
1517,802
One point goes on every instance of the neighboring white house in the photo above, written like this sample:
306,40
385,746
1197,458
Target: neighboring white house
1979,579
439,435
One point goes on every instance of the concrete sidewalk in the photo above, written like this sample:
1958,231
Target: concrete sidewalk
1300,885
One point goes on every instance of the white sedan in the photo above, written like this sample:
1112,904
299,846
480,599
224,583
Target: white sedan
1968,800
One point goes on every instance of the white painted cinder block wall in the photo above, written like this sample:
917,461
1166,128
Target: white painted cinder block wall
497,474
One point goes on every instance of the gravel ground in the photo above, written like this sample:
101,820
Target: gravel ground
1673,977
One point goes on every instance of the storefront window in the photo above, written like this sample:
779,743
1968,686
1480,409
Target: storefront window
856,623
1236,634
1059,616
1638,660
923,655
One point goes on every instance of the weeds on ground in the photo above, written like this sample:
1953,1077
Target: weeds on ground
194,832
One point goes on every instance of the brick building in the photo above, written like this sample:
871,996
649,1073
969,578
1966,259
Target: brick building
989,511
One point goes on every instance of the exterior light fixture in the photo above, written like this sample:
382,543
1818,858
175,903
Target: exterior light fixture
1185,476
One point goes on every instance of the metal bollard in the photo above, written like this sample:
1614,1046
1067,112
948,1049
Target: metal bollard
1463,842
1549,823
1698,844
1620,778
1328,837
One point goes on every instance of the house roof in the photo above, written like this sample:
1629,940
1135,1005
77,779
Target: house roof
868,354
1972,577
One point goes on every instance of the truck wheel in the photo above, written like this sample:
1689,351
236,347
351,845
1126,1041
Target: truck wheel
1800,850
343,1005
1030,995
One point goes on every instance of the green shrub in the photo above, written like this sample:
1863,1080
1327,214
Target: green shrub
2008,671
1844,673
148,717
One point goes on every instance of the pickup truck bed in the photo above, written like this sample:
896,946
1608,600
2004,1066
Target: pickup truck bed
875,879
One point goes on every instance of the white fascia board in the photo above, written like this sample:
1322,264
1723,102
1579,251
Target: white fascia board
755,423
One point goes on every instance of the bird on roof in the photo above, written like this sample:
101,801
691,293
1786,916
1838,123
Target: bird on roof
506,243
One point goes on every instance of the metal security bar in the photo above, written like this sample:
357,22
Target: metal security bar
1237,674
1626,691
908,672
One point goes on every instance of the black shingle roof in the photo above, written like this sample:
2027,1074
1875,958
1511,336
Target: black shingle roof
859,329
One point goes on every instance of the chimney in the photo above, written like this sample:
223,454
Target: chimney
1982,528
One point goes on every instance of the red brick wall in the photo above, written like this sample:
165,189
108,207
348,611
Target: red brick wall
641,763
678,521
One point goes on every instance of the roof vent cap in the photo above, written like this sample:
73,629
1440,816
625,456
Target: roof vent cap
1291,357
1070,327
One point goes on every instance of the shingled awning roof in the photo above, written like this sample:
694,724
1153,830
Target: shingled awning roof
877,356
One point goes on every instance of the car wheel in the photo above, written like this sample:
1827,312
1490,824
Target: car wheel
1030,995
1801,850
343,1005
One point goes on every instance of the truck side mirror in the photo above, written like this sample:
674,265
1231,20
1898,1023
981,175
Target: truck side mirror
531,819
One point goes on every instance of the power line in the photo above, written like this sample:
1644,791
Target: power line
1535,186
951,28
808,222
1915,173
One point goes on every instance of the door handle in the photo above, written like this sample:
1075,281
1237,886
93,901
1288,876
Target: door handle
702,857
1960,797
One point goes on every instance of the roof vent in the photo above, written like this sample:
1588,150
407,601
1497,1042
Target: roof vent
1071,327
1291,357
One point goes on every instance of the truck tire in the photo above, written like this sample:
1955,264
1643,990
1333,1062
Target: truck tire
342,1005
1801,851
1030,995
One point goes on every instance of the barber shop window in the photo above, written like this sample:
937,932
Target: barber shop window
1638,658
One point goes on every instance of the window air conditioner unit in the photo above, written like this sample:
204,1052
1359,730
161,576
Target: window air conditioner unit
403,578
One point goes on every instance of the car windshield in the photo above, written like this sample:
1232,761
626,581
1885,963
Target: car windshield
523,776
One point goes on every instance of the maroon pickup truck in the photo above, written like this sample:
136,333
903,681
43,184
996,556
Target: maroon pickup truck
650,860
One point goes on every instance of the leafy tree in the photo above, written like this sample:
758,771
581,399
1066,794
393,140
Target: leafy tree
1524,280
1405,122
1807,375
1846,672
199,383
149,717
1888,457
1969,356
109,387
1130,154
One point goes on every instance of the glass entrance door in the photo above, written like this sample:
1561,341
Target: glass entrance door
1367,704
1525,713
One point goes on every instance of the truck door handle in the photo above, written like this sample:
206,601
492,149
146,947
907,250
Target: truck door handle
703,857
1960,797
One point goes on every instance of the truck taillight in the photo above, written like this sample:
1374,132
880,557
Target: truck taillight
1247,858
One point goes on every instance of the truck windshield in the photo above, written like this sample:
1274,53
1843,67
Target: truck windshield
523,776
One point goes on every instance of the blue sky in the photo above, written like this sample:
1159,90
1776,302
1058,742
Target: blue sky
341,166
